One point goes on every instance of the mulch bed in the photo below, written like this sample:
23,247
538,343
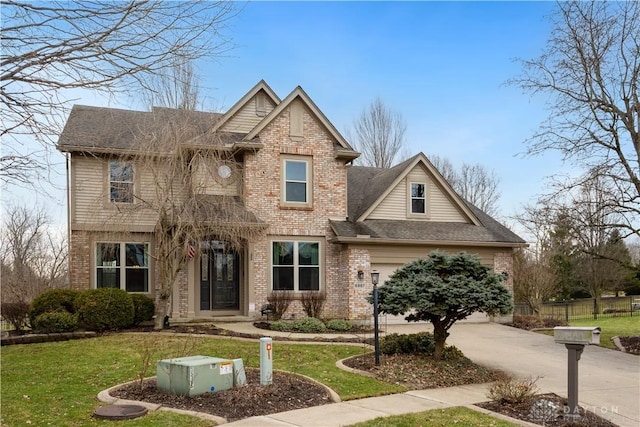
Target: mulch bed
631,344
548,410
287,392
417,372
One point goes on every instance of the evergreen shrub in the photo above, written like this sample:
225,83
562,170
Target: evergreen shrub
309,325
55,322
341,325
53,300
420,343
105,309
143,308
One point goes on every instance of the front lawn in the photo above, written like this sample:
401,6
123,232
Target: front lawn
611,327
57,383
458,416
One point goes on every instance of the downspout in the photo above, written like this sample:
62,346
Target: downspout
68,167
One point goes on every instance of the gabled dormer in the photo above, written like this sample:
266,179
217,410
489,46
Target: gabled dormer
412,203
411,190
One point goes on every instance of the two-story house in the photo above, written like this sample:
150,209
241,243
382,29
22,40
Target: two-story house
303,218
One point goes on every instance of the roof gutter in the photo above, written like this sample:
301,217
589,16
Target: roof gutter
412,242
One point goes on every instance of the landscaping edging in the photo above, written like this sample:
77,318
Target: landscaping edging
36,338
618,344
105,397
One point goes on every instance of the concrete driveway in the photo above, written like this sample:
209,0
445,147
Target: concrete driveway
609,380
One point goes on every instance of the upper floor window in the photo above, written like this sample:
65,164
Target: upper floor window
295,266
418,198
120,182
123,265
296,182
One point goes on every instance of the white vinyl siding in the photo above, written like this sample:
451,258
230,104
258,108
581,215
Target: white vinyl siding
396,204
208,181
400,255
247,118
90,205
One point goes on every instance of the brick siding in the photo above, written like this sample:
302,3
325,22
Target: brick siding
262,195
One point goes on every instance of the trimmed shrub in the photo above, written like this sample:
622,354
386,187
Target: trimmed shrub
53,300
16,313
451,352
420,343
281,325
309,325
143,308
340,325
532,322
55,321
105,309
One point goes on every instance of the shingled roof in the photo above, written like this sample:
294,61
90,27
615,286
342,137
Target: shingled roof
366,185
100,129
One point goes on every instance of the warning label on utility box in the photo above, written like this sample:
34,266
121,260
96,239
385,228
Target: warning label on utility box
226,368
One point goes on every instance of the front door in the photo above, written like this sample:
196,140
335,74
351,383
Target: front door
219,284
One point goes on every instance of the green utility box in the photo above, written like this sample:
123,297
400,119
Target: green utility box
194,375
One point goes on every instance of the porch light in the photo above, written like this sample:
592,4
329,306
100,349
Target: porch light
375,277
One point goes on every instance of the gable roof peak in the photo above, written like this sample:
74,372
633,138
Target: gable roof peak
261,86
299,92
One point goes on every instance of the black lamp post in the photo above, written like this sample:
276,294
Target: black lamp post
375,277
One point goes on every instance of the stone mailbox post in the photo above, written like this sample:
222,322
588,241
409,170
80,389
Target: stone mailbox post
574,339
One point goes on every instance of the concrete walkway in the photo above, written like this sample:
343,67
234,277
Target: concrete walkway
609,381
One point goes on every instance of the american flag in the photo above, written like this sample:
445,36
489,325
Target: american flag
191,251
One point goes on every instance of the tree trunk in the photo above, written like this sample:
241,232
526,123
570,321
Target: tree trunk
440,336
161,313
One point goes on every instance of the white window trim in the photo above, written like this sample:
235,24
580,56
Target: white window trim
108,180
122,266
410,213
296,241
309,181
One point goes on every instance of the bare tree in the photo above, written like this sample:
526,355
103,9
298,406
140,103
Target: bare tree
50,49
474,183
590,69
178,158
379,135
33,258
175,87
445,167
591,216
534,281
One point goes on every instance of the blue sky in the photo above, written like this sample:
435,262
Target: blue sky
442,65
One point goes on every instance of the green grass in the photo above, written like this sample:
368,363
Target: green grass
459,417
611,327
57,383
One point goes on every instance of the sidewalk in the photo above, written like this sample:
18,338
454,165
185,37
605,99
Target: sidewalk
609,381
355,411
